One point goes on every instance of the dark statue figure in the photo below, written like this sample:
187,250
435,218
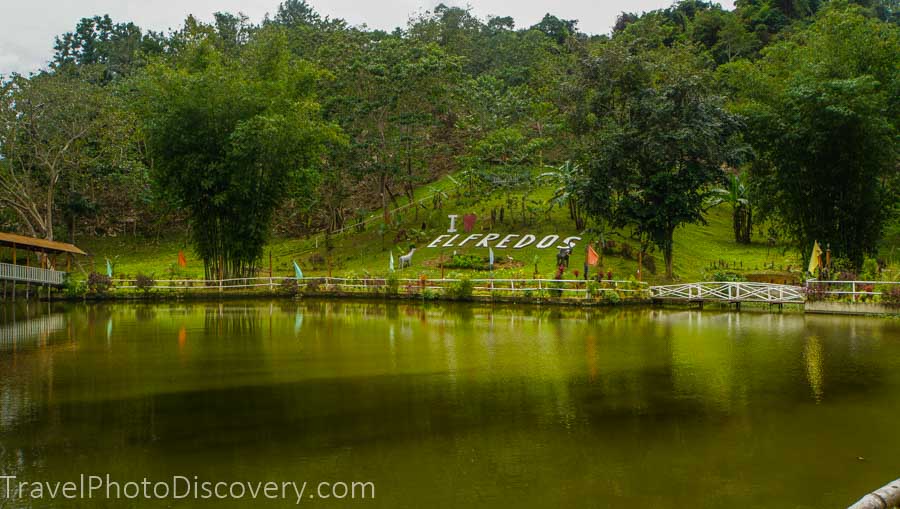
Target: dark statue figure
562,257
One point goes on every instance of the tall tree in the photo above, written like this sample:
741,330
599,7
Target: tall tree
655,139
822,113
229,137
53,129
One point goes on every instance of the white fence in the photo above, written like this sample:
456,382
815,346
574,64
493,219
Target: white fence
36,275
730,292
856,290
563,287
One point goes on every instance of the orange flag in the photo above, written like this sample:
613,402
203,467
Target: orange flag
182,261
592,257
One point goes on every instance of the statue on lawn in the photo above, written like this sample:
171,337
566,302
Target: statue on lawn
406,260
562,257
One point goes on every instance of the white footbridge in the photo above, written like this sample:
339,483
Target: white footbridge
730,292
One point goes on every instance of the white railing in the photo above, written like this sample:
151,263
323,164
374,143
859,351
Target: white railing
730,292
568,287
23,274
856,289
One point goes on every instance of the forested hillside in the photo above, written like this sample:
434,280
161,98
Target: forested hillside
230,134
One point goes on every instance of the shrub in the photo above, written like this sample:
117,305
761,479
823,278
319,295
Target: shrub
890,295
816,292
593,288
98,283
312,285
462,289
870,269
725,276
289,287
74,288
612,298
466,261
627,251
392,284
144,283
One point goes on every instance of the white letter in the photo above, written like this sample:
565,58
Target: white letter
489,237
569,240
137,489
547,241
156,490
502,244
470,237
109,484
9,479
435,242
449,243
216,489
527,240
323,483
333,486
231,490
69,489
187,483
363,485
299,492
452,223
92,486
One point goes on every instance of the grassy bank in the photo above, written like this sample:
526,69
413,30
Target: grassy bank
702,252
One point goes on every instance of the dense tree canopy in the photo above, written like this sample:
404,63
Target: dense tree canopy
228,137
822,116
302,122
655,140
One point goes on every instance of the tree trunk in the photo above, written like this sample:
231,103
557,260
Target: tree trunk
667,253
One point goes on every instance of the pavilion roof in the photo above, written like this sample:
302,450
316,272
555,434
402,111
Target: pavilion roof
35,244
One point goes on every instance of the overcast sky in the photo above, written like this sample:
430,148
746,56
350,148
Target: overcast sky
28,27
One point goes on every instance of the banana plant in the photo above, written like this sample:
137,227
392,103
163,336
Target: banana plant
737,195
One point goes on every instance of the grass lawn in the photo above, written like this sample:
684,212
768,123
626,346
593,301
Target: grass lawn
697,247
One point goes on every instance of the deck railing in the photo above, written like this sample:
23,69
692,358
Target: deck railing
559,287
36,275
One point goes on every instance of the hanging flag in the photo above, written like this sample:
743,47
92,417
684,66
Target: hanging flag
491,258
108,268
815,261
392,262
469,222
592,257
182,261
297,272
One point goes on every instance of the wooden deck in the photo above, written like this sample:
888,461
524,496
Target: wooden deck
33,275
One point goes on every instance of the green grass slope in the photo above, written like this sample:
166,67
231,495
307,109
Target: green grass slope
700,250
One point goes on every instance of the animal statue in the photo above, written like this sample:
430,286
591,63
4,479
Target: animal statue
406,260
562,257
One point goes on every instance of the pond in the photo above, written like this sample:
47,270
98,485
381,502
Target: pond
450,405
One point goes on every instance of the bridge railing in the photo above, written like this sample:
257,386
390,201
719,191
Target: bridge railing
36,275
730,292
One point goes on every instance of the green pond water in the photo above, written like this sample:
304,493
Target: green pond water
453,406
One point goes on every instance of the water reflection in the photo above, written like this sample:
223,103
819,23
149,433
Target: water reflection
496,397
